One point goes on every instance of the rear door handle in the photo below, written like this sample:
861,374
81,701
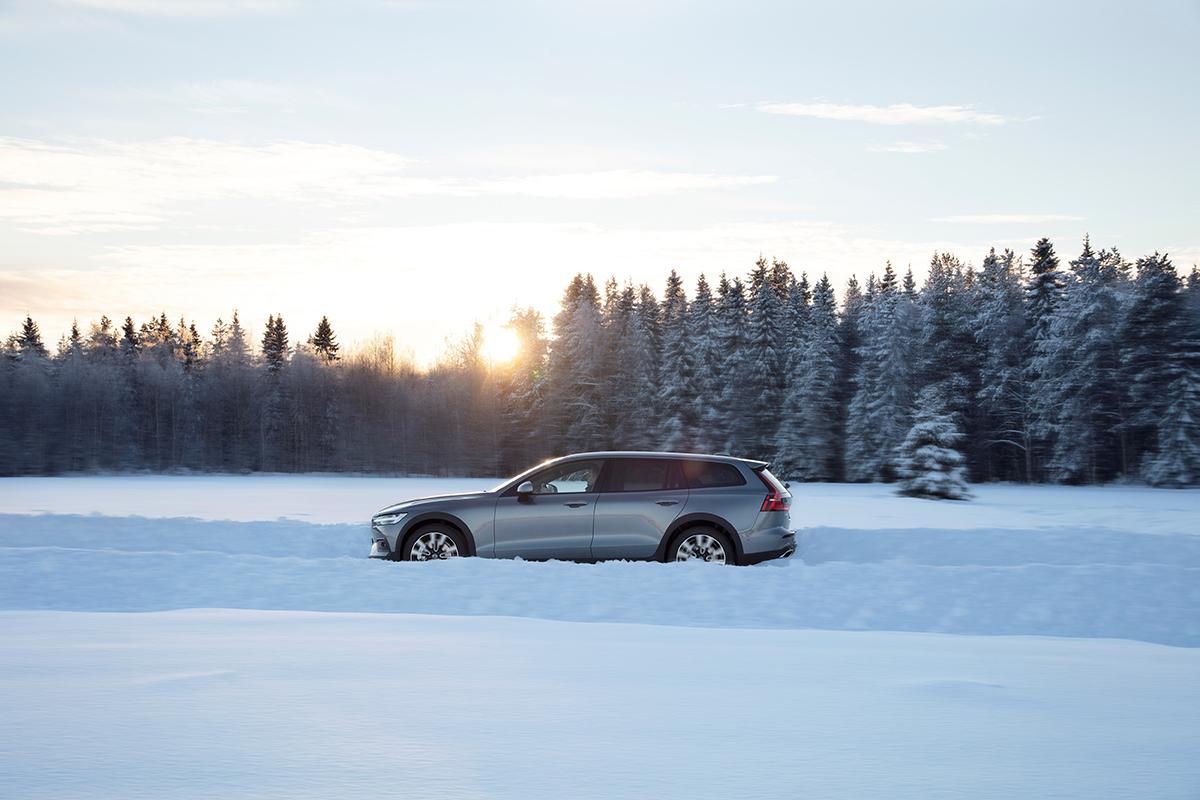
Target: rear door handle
574,505
667,502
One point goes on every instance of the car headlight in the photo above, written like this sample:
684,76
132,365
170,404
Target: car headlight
389,519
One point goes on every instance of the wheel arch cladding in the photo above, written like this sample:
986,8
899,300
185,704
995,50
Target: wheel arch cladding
435,517
699,519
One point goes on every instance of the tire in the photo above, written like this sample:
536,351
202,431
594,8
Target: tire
436,541
702,543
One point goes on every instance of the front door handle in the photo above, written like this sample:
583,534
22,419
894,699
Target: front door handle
667,502
575,505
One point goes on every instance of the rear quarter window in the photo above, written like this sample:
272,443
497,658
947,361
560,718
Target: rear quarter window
711,474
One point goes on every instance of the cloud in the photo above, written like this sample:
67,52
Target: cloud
895,114
230,96
613,184
81,186
180,8
906,147
1006,219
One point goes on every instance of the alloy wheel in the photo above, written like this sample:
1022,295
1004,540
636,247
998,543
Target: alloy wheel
700,547
433,546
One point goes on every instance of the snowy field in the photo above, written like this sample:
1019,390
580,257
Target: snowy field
1036,642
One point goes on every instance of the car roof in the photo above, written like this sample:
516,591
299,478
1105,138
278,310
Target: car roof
728,459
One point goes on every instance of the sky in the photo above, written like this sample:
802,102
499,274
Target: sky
411,167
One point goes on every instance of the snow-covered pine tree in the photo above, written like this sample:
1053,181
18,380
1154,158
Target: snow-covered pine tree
1155,340
101,344
880,409
324,341
765,360
1044,289
1078,361
930,464
807,441
29,341
706,360
524,439
275,343
1042,295
1004,394
1176,458
631,380
949,353
849,340
676,402
861,441
130,341
586,404
730,428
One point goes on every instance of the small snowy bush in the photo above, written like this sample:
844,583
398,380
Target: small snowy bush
930,466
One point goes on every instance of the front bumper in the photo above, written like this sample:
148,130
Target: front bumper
380,547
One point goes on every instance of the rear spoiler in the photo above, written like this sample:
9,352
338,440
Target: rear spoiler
749,462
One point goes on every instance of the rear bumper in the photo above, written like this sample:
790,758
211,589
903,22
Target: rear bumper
786,550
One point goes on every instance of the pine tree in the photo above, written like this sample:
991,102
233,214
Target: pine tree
1004,392
131,343
807,441
706,356
1176,459
275,343
732,334
1156,344
101,346
524,440
324,341
29,340
850,340
1042,295
676,388
1044,288
764,376
930,463
1079,404
879,411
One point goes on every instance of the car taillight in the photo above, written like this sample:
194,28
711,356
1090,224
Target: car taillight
778,498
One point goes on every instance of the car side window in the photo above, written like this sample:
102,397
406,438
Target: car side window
644,475
712,474
575,477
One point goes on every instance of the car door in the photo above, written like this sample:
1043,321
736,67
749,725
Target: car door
639,500
556,520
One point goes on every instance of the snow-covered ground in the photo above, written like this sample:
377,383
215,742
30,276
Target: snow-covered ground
732,689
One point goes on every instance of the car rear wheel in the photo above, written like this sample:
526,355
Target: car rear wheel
703,544
435,543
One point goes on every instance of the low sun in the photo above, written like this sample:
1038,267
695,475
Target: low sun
500,345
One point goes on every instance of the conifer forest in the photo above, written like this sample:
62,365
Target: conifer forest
1027,367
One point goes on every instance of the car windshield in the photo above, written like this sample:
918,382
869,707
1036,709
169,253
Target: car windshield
530,471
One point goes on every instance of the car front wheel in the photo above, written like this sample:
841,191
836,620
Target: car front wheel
703,544
435,543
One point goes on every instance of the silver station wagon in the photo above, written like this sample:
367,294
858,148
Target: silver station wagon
596,506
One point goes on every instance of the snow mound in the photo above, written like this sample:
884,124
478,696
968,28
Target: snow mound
1059,582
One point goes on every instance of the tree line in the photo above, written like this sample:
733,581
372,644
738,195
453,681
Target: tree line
1023,369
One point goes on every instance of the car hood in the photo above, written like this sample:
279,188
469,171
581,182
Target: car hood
408,505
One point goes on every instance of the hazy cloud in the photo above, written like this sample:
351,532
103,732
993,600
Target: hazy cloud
989,219
895,114
180,8
906,147
79,186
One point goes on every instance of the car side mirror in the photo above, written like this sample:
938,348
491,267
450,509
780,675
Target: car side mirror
525,489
